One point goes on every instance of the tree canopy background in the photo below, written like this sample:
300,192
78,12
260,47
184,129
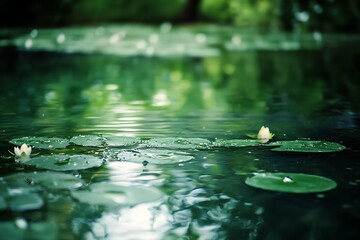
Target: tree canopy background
265,15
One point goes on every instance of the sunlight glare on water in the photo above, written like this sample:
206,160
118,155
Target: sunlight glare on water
134,223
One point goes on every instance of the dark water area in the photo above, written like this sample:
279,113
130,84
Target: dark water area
302,94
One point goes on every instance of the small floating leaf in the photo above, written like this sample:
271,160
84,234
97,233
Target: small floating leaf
179,143
37,180
88,140
62,162
42,142
306,146
111,195
24,202
154,156
291,182
120,141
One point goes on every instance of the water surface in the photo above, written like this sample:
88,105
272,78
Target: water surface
219,94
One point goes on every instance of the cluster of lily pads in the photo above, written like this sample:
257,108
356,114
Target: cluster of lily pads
22,191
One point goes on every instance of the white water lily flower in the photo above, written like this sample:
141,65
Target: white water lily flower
264,134
23,151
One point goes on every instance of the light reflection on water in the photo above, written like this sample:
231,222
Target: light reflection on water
138,222
229,96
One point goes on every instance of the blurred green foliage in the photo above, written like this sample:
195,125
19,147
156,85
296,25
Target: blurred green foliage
124,10
264,15
260,13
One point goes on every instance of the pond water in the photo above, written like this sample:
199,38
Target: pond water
172,93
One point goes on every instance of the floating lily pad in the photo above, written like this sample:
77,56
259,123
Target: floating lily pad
88,140
42,142
24,202
179,143
112,195
306,146
291,182
120,141
154,156
236,143
63,162
37,180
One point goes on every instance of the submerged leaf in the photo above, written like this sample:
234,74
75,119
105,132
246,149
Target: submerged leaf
120,141
88,140
41,142
306,146
62,162
33,230
179,143
291,182
24,202
154,156
3,204
236,143
37,180
112,195
20,191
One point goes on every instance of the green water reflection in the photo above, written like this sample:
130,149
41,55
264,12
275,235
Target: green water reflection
299,94
62,94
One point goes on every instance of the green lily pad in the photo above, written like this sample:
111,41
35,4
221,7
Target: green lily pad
41,142
179,143
291,182
306,146
120,141
63,162
34,181
154,156
112,195
88,140
236,143
24,202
